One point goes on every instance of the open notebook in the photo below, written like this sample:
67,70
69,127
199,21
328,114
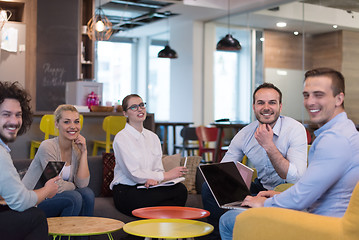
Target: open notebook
167,183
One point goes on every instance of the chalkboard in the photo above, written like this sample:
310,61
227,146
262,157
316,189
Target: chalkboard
57,50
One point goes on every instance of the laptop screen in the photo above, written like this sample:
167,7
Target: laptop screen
225,182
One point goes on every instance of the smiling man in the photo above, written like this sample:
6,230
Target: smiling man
275,145
333,164
19,219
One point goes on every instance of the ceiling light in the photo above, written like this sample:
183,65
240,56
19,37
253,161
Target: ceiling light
99,27
262,39
281,24
228,43
296,33
335,26
167,52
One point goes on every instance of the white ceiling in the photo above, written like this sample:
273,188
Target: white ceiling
252,13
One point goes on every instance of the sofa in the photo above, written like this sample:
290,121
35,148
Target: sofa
104,205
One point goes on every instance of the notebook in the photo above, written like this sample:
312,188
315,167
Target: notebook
227,184
52,169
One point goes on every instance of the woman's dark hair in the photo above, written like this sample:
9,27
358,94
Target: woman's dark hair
126,99
9,90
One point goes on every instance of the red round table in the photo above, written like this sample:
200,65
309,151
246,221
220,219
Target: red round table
162,212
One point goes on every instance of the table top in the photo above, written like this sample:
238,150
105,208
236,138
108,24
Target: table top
165,123
230,124
82,226
168,228
170,212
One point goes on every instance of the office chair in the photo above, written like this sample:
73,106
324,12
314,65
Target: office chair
190,141
207,136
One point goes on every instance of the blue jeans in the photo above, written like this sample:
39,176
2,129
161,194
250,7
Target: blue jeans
226,224
210,204
79,202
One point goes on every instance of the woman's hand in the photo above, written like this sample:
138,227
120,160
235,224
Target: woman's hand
80,141
175,173
150,182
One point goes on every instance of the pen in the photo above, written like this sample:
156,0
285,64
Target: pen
185,162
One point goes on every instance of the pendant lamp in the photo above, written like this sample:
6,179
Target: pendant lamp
167,52
99,27
228,43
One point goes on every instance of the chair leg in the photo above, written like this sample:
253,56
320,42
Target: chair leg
94,151
32,151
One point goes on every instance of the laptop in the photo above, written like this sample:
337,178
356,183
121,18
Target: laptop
227,184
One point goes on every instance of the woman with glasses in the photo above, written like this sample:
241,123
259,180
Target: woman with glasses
73,198
138,156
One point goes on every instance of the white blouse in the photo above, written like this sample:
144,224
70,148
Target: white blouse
138,157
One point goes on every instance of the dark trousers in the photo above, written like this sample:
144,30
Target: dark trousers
128,198
210,204
30,224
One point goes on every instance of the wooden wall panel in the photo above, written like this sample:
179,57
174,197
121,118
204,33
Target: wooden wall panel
282,50
327,50
350,69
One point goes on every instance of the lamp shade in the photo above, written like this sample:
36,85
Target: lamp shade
167,52
228,43
99,27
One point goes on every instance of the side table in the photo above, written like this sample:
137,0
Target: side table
82,226
168,228
170,212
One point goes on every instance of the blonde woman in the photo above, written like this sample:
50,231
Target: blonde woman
73,198
138,156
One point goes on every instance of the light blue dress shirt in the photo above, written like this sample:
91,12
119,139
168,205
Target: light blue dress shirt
291,140
332,174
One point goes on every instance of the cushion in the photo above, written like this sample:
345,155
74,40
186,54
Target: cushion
192,164
171,161
108,167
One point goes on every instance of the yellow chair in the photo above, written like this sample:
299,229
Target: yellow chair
284,224
111,125
47,126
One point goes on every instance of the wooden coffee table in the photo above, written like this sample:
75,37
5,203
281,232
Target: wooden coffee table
82,226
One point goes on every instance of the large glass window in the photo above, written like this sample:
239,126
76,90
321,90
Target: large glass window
159,84
114,70
232,79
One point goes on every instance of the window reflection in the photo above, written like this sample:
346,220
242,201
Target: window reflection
158,84
114,70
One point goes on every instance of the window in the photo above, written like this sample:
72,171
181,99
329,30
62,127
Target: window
158,96
114,70
233,79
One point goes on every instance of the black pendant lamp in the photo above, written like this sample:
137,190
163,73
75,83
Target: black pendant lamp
228,43
167,52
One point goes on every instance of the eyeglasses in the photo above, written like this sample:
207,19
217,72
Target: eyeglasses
135,107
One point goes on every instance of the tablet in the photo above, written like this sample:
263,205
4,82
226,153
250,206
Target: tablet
52,169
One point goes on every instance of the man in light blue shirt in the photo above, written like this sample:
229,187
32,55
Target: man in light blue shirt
333,169
275,145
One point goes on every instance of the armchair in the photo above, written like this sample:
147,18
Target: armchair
284,224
